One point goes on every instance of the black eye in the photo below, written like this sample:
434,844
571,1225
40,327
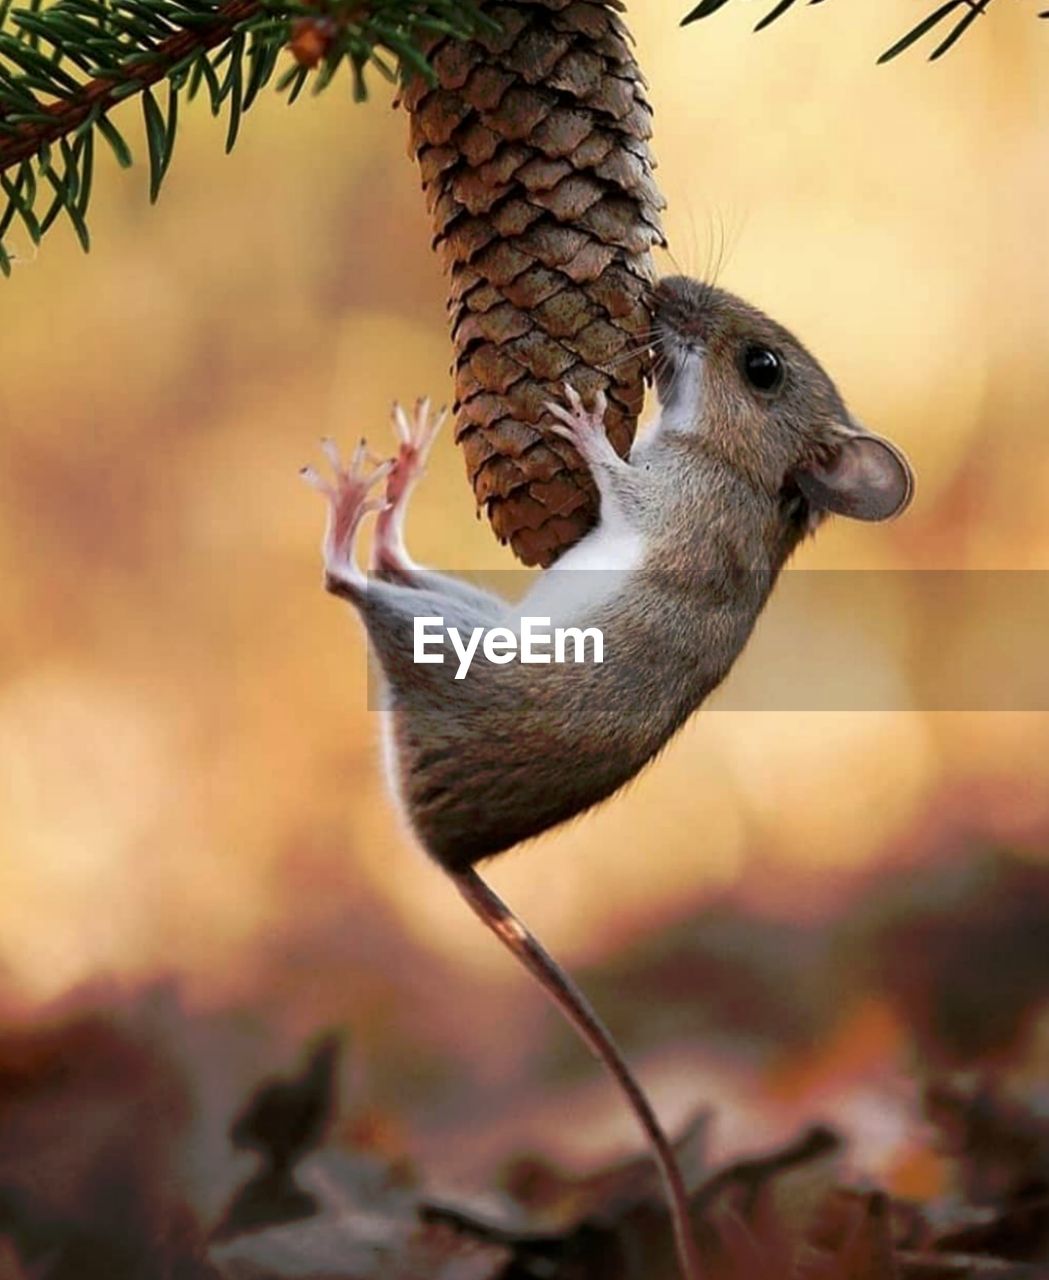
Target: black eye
762,368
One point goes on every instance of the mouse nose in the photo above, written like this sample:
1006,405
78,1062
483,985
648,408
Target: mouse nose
680,304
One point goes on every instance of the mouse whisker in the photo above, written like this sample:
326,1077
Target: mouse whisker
626,358
649,331
673,260
679,369
659,366
719,260
646,338
709,267
631,353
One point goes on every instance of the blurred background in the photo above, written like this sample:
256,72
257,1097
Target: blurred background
191,801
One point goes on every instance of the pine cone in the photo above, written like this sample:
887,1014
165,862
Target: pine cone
534,155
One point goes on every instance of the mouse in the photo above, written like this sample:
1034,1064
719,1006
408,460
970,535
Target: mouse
752,449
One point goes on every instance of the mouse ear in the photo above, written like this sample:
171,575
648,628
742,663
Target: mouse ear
865,477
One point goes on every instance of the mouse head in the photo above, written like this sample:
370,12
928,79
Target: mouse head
748,391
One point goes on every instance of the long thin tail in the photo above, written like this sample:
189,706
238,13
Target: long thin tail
519,940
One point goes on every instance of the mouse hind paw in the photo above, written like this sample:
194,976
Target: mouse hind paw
350,491
416,431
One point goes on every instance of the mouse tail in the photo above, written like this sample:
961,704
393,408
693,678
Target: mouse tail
573,1004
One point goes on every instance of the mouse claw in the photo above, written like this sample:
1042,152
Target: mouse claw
575,400
357,460
313,478
427,425
401,425
363,471
566,421
576,414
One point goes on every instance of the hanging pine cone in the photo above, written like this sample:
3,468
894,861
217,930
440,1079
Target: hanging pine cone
533,148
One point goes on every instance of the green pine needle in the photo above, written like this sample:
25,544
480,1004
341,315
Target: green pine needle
65,65
970,11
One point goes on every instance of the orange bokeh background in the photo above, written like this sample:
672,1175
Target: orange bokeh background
189,781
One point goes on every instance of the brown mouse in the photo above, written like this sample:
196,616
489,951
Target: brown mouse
752,449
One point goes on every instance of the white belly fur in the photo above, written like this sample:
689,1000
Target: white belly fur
587,574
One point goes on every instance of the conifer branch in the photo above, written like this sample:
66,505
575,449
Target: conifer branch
32,132
64,68
960,13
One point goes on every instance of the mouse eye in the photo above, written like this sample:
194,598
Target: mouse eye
762,368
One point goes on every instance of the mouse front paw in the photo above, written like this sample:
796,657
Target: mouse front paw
584,428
